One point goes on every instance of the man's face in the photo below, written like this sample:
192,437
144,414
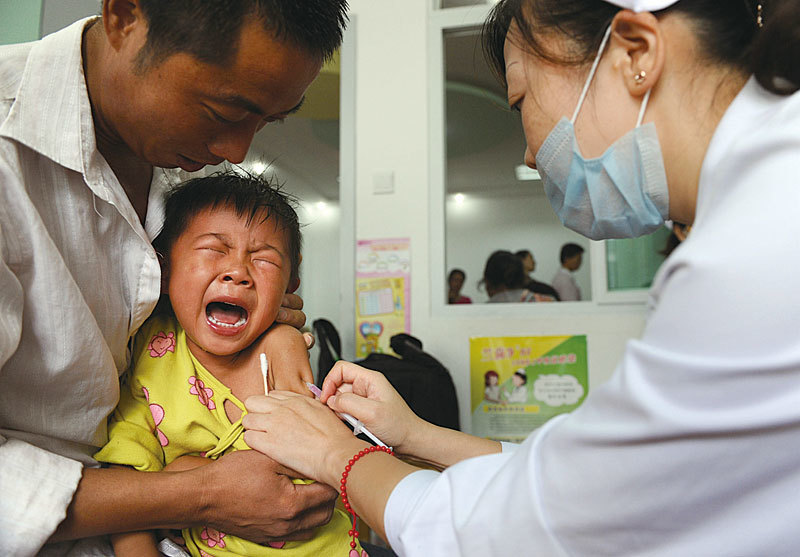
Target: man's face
188,114
227,278
573,263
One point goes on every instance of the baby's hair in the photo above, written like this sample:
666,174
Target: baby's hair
248,195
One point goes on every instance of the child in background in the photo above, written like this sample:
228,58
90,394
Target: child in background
230,250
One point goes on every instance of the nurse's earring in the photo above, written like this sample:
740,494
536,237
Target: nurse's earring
640,77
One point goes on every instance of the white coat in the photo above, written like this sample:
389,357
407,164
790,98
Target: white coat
693,446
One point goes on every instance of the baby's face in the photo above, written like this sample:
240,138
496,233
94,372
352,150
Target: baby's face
227,279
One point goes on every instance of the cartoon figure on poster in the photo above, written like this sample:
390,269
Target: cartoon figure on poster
519,394
371,333
492,391
519,383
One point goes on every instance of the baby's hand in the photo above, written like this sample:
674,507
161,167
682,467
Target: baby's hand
287,354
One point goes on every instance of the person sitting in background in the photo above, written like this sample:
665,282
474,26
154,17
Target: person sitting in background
455,282
504,279
529,265
564,281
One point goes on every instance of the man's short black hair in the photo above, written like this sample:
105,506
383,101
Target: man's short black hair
248,195
570,250
523,253
209,30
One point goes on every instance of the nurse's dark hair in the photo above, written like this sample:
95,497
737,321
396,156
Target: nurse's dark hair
727,31
250,196
209,30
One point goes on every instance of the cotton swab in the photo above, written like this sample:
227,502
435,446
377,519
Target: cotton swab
358,426
264,370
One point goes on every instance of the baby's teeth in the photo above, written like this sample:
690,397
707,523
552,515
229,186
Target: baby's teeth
239,323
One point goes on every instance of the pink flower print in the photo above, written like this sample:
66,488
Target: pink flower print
212,537
354,553
203,393
276,545
158,416
204,554
161,343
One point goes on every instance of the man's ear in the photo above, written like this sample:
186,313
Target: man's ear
121,19
638,49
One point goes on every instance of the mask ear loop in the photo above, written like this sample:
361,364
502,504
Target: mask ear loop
591,74
592,71
643,107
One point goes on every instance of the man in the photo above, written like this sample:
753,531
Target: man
93,120
529,265
564,282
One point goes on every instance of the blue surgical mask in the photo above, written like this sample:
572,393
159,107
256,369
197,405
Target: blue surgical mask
621,194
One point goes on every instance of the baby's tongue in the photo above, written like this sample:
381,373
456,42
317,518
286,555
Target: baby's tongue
225,313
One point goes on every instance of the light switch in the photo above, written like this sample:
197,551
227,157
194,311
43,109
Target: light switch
383,182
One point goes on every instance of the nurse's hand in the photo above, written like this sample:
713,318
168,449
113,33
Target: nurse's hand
300,433
369,396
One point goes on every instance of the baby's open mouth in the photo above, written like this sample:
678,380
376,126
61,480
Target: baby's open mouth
226,315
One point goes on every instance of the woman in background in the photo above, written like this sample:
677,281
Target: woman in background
455,282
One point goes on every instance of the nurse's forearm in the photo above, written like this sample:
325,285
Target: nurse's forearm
441,447
370,481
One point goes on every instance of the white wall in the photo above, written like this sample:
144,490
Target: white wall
480,225
319,272
391,131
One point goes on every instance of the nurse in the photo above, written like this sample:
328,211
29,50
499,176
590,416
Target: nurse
634,111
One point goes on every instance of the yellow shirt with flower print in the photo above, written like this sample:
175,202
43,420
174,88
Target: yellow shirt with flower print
171,406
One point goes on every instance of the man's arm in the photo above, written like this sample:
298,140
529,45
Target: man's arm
232,499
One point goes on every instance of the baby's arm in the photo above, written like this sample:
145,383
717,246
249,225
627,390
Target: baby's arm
135,544
287,354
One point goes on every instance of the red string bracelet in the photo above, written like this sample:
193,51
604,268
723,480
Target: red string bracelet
345,502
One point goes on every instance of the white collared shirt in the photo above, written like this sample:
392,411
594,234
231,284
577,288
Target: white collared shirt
693,446
78,276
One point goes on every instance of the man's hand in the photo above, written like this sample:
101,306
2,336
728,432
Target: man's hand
251,496
291,311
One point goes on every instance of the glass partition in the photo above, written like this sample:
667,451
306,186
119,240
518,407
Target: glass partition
491,201
632,263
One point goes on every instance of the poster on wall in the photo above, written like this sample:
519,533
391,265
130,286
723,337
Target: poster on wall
518,383
383,280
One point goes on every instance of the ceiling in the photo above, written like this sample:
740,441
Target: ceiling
484,138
